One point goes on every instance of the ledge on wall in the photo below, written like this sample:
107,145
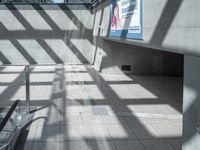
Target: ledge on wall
127,41
145,44
140,43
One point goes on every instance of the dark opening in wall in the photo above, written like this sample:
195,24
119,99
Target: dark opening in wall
125,67
173,64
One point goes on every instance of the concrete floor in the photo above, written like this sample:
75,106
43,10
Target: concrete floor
78,108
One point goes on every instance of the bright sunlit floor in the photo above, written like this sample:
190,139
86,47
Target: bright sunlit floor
78,108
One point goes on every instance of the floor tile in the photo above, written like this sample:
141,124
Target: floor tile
120,131
101,145
48,133
176,143
46,145
145,131
129,145
27,146
167,130
113,120
71,120
157,121
96,132
132,120
49,120
156,144
72,132
74,145
95,109
89,119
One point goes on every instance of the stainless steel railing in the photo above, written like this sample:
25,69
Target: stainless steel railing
10,126
27,82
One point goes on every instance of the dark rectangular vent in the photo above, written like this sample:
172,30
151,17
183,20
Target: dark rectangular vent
126,67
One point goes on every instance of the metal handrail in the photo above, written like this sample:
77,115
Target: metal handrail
4,146
27,71
8,143
5,120
8,115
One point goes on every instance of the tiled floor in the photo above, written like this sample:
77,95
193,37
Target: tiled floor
81,109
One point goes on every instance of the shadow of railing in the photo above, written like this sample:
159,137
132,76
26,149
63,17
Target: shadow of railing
61,95
39,35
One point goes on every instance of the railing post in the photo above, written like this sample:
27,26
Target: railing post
27,71
198,129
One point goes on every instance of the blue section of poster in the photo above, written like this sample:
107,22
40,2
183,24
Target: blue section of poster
126,19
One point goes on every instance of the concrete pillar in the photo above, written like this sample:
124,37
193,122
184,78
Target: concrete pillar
191,103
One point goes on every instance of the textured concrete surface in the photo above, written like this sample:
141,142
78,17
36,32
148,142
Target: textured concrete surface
165,27
191,103
69,34
79,108
111,55
45,34
169,25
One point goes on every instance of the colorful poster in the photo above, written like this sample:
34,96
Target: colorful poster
126,19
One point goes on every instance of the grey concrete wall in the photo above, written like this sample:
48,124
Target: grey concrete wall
191,103
45,34
169,25
111,54
143,61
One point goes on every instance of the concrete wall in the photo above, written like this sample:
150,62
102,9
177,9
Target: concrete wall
143,61
169,25
45,34
111,54
191,103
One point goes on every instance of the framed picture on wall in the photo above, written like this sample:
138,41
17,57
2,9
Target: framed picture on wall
126,19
